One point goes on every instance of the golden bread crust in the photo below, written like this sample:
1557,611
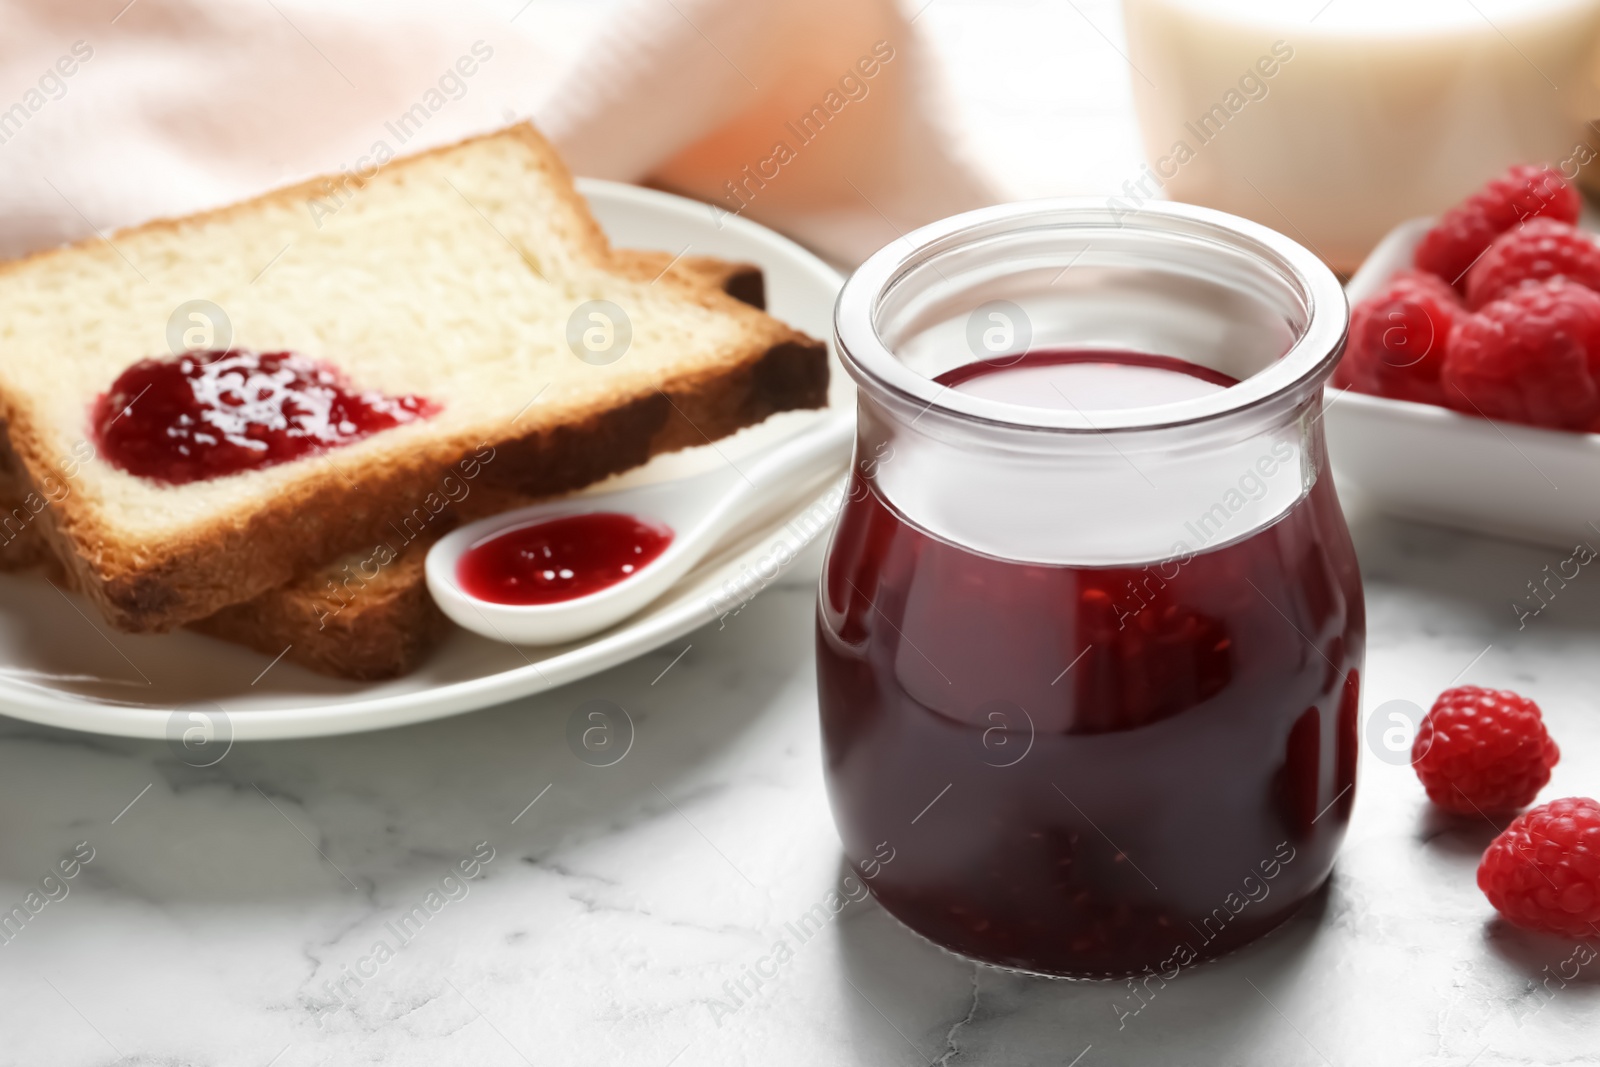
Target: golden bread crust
154,587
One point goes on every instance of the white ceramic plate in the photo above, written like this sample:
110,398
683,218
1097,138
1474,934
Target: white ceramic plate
1424,462
59,664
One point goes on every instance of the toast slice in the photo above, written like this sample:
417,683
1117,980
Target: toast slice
21,544
354,620
452,275
332,620
345,619
340,622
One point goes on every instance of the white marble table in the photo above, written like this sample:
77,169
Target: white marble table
223,909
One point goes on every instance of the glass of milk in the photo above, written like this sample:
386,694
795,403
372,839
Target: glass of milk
1333,120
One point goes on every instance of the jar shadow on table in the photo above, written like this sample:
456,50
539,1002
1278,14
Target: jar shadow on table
892,979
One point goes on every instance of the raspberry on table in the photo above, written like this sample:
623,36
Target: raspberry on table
1483,751
1531,357
1543,248
1522,193
1543,872
1398,339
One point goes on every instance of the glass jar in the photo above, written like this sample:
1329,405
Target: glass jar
1089,679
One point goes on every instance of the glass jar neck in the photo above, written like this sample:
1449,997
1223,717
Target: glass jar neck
1129,497
1097,487
1167,279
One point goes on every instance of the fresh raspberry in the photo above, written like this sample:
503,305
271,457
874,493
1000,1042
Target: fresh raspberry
1543,872
1543,248
1462,233
1398,338
1483,751
1531,357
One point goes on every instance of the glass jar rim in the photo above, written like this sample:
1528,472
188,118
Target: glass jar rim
1307,362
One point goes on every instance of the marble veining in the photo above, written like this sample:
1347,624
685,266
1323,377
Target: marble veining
470,891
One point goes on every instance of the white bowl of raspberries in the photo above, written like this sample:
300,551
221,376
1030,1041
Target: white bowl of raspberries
1469,391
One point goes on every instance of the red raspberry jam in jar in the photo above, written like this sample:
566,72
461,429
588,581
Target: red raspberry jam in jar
1090,629
203,415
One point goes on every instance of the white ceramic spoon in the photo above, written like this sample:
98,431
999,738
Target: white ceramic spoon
700,510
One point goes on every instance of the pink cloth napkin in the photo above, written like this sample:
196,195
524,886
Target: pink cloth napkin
819,118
